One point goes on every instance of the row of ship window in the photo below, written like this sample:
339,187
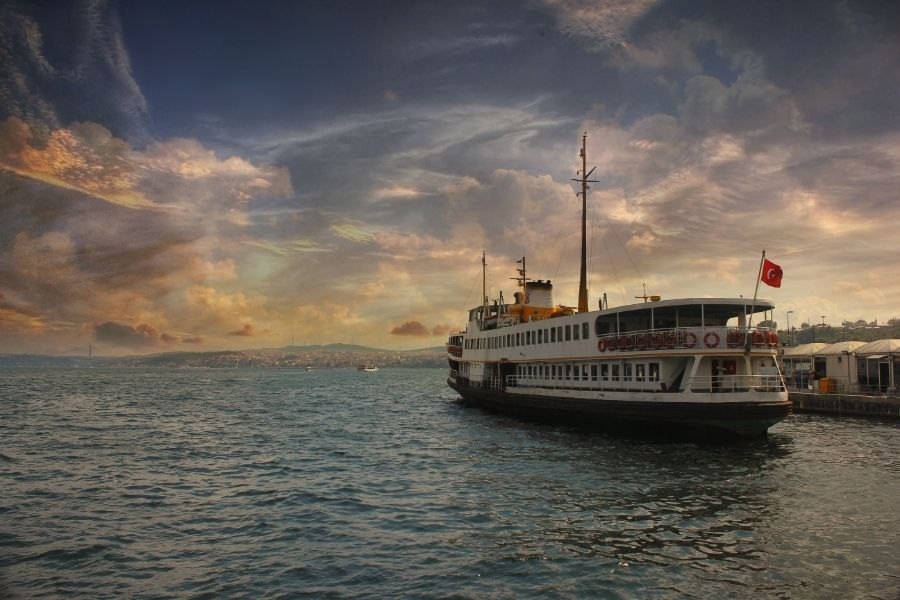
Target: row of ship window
591,372
547,335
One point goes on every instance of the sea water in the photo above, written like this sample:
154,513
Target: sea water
253,483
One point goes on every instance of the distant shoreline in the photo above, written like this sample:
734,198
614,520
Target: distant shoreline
317,357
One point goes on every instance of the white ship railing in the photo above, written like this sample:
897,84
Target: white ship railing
736,383
688,338
719,384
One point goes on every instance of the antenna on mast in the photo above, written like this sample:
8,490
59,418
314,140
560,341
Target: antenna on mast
521,279
645,297
582,283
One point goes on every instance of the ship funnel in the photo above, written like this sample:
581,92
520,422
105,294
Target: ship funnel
539,293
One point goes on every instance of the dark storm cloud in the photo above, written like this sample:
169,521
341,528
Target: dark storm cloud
120,334
832,57
246,331
414,328
66,61
417,329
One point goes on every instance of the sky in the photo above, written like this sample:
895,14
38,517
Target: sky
183,176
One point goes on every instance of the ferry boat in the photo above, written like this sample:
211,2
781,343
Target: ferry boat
694,364
367,368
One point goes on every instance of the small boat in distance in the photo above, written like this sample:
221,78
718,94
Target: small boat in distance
695,364
367,368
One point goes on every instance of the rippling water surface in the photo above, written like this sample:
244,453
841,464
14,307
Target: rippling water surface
337,484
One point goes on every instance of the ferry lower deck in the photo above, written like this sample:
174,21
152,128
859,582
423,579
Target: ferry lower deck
739,415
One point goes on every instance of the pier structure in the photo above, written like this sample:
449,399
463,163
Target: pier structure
885,406
848,377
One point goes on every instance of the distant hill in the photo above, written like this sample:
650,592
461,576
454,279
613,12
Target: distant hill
37,360
440,349
320,356
326,348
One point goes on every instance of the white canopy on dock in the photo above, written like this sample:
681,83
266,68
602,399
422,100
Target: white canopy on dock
839,348
803,350
891,346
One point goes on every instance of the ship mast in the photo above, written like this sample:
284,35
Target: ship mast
582,284
484,298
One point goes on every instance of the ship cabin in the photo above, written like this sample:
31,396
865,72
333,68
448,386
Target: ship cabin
698,345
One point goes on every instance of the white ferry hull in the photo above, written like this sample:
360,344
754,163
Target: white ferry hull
719,415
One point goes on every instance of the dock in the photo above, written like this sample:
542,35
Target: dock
884,407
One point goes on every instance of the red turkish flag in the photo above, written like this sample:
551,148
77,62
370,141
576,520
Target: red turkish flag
771,273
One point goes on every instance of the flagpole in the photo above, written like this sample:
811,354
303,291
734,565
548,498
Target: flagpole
762,259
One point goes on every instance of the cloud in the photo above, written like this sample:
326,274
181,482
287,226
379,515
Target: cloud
412,328
174,174
286,248
120,334
86,159
246,331
515,207
209,308
396,192
352,232
454,46
440,330
602,22
166,225
99,269
417,329
751,103
88,77
15,317
192,340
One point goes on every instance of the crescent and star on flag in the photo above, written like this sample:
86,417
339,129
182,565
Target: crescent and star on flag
771,274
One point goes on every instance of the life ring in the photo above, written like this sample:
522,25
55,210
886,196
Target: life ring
711,340
601,345
772,339
689,340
